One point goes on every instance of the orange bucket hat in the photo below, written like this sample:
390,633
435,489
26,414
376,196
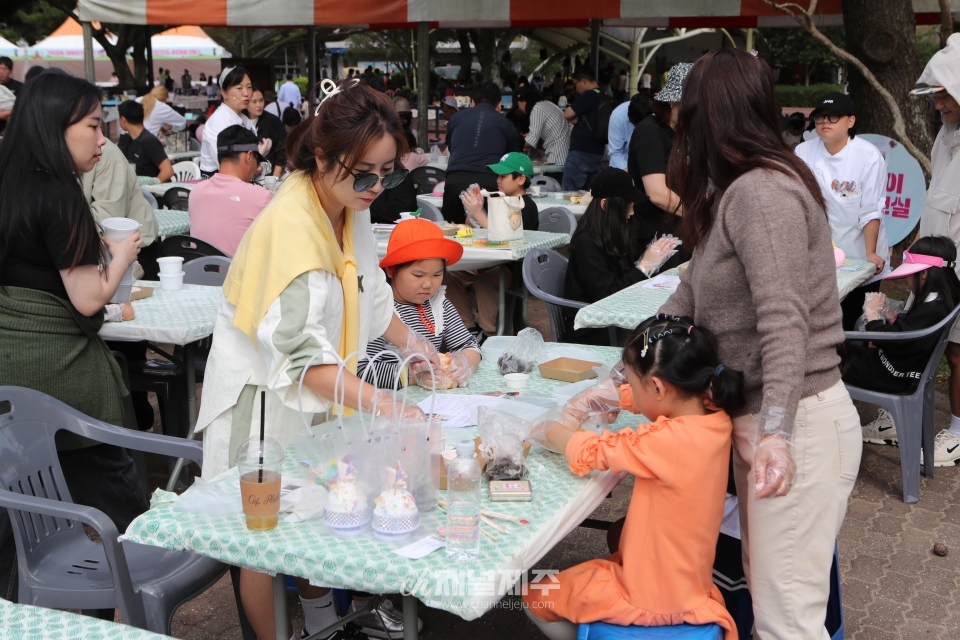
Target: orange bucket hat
419,240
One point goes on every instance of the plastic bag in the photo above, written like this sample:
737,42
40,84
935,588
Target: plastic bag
501,443
504,216
523,355
889,312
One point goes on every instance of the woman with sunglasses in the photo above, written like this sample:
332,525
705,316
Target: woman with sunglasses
852,176
305,284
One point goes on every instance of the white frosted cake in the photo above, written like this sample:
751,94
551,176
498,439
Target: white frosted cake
346,509
395,514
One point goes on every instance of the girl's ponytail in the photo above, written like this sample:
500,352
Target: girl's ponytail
726,389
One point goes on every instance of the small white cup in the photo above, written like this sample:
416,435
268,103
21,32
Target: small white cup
516,380
535,190
171,266
171,281
270,182
117,229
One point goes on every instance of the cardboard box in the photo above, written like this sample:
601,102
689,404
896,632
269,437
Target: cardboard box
144,292
480,459
568,369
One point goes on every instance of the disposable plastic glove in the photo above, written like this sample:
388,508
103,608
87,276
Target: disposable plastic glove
472,201
551,431
264,146
774,468
455,372
595,407
657,253
384,406
873,306
422,346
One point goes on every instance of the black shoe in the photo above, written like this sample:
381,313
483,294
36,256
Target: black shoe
350,631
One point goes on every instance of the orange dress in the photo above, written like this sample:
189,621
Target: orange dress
663,572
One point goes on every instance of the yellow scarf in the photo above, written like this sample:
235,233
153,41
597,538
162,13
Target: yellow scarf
291,236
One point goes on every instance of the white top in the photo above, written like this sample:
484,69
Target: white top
162,114
289,93
853,183
222,118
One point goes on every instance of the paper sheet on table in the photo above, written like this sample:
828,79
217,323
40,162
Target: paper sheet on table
663,283
461,410
421,548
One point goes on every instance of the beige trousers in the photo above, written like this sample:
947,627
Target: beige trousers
788,541
478,303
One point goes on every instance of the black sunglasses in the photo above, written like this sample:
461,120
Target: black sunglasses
364,180
832,118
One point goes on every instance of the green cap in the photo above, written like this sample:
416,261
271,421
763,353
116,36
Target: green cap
513,162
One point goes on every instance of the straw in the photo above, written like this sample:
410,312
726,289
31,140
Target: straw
263,417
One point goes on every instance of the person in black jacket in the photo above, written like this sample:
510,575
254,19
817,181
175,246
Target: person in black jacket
896,367
268,126
601,257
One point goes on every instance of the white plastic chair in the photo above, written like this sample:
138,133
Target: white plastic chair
558,220
186,170
547,184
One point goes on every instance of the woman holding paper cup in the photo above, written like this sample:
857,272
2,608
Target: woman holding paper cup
55,278
305,284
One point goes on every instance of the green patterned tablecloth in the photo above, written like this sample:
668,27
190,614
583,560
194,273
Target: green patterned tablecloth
25,622
561,500
183,155
629,307
172,222
169,317
147,180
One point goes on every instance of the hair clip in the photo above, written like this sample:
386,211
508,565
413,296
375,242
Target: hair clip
330,88
646,343
718,370
667,316
689,329
660,335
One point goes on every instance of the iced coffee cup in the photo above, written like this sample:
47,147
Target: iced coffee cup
259,464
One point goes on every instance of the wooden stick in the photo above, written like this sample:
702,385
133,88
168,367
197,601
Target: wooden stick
490,523
500,516
488,534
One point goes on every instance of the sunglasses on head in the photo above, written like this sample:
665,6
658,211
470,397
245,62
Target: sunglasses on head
364,180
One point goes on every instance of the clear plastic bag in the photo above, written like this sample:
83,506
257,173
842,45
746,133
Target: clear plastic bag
889,312
501,442
522,357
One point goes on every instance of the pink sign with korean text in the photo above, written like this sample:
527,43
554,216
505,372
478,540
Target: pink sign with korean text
906,188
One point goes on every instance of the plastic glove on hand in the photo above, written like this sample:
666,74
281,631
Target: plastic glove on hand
873,306
264,146
599,405
773,466
657,253
384,406
419,345
552,432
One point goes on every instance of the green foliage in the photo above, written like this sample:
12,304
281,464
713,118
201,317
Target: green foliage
803,96
785,48
36,20
303,83
928,43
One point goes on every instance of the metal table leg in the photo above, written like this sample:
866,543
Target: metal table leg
191,372
502,294
280,617
410,631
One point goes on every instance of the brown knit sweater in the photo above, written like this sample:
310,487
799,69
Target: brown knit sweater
764,282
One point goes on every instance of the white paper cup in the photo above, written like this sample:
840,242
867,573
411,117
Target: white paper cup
122,294
516,380
270,182
171,281
118,229
535,190
128,274
171,266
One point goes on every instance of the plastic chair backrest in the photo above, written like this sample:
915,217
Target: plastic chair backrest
558,220
150,198
425,178
176,198
429,211
547,184
209,270
194,144
186,170
188,248
544,271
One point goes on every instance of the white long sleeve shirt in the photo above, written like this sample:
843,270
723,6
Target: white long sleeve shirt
222,118
853,183
162,114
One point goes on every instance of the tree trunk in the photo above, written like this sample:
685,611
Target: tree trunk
466,56
882,35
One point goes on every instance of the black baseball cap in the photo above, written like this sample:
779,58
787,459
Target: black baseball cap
840,103
616,183
237,139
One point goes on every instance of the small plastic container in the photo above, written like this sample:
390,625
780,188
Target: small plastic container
171,266
516,380
171,282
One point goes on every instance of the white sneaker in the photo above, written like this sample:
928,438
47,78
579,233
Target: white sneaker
882,430
946,449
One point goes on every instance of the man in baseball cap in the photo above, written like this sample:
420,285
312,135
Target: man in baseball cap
834,102
940,83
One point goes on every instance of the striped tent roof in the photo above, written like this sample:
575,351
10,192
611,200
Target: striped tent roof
460,13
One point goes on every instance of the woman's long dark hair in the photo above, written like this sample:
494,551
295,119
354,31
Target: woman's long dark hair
942,281
608,228
727,126
38,176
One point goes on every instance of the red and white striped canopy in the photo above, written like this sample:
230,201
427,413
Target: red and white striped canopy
464,13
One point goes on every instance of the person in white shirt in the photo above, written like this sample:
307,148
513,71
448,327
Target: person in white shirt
852,175
289,93
548,124
236,91
158,115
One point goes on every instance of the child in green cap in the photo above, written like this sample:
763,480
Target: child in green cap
514,173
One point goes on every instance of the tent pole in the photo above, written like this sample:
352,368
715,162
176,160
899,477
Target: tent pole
635,61
150,62
312,64
595,47
88,52
423,82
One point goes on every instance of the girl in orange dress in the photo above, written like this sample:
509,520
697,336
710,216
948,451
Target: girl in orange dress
662,573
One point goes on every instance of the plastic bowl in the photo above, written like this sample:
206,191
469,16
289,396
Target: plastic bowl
516,380
171,266
171,282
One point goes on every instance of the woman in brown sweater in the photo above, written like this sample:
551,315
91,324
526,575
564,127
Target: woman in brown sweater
763,280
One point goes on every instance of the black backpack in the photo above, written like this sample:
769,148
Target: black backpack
604,111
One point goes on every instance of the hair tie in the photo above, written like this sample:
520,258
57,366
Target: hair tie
718,370
689,329
223,75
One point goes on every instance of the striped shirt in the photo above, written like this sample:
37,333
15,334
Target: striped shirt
450,336
547,123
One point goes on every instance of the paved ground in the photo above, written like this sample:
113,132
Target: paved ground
893,586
